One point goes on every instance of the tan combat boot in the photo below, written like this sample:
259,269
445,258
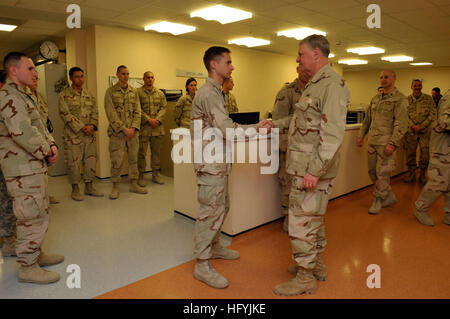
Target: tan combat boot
376,206
9,247
207,274
76,193
389,200
49,259
319,272
36,275
156,178
141,180
422,177
52,200
303,283
424,218
90,190
115,191
135,188
446,219
218,251
411,178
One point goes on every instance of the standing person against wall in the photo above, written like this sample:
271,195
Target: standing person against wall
182,111
79,113
421,116
123,110
153,109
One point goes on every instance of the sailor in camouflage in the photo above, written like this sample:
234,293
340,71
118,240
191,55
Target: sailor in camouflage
421,115
230,100
123,111
439,168
26,148
153,109
79,113
284,106
182,110
316,132
385,124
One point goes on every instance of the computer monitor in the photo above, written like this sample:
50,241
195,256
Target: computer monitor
245,118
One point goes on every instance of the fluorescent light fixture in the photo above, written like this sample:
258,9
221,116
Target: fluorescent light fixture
397,58
421,63
7,27
250,42
174,28
353,62
300,33
222,14
366,50
331,55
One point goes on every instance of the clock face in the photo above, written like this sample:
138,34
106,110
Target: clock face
49,50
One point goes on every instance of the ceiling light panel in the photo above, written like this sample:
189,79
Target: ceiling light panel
249,42
7,27
366,50
222,14
421,63
397,58
300,33
173,28
353,62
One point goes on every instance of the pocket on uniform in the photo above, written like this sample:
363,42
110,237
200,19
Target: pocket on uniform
29,206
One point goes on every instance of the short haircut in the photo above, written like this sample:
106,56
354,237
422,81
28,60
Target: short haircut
148,72
317,41
3,76
437,90
212,54
121,67
75,69
416,80
12,58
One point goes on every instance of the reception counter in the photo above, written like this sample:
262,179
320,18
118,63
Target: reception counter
255,197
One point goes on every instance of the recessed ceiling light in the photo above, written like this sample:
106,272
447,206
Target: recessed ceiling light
250,42
366,50
300,33
222,14
7,27
331,55
397,58
174,28
421,63
352,62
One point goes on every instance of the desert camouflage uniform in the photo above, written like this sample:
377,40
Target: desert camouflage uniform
284,106
24,144
123,110
386,122
182,111
212,178
153,105
420,111
439,168
230,103
7,218
78,110
316,132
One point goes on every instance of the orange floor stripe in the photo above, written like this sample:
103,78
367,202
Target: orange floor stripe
414,258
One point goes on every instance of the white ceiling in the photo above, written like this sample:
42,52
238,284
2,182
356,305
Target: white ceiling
419,28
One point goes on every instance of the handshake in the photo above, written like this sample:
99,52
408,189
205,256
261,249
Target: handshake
265,127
